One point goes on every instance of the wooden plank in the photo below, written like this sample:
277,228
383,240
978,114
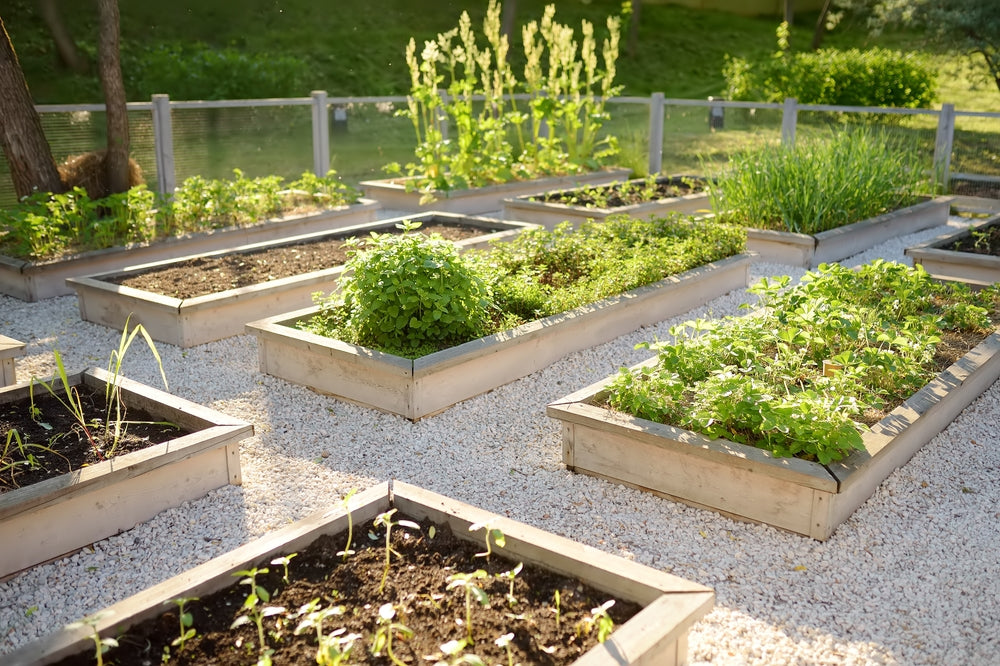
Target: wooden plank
549,214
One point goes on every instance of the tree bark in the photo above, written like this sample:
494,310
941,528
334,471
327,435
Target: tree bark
24,144
68,53
632,48
821,25
507,17
789,12
109,64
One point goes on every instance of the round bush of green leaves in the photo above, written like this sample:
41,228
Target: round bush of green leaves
411,292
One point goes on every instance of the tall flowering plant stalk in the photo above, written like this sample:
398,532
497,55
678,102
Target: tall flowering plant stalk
462,83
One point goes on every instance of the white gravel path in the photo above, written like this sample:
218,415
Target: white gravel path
912,578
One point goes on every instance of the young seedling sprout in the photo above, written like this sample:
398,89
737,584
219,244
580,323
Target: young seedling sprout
598,618
504,642
557,598
466,581
185,620
386,519
346,503
101,645
256,611
283,562
511,576
334,648
491,533
385,630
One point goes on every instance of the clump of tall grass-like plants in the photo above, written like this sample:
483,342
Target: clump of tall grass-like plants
820,183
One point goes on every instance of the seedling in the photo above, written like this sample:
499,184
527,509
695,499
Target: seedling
494,533
504,642
284,562
454,650
386,628
185,620
334,648
600,619
346,503
557,599
101,645
255,609
511,576
472,591
386,519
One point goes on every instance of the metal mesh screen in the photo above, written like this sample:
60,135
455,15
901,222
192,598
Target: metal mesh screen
72,133
259,140
364,137
697,141
976,152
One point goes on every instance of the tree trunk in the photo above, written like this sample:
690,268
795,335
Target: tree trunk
789,12
68,53
109,64
21,136
821,25
507,16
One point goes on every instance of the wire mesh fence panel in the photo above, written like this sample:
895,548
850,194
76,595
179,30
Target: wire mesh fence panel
628,123
365,137
260,141
698,142
76,132
976,152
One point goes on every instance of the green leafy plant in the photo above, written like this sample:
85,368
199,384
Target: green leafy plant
398,300
846,177
386,628
599,619
385,519
491,535
346,503
185,621
18,455
333,648
101,645
283,562
511,576
759,379
256,610
472,591
497,141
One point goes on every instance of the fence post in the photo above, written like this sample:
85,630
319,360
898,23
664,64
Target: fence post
943,145
656,106
789,118
321,133
163,145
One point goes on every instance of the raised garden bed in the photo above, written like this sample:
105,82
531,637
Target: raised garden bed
637,198
393,195
10,349
811,250
61,514
415,388
800,494
656,634
37,280
971,255
186,321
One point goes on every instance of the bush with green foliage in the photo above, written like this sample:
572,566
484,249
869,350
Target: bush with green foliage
875,77
820,184
198,71
407,286
759,379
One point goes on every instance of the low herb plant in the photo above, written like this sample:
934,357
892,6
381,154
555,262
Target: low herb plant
759,379
849,176
48,226
643,190
409,294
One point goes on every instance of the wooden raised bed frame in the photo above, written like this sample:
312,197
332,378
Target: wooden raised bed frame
187,322
748,483
421,387
62,514
656,635
551,213
392,194
9,350
809,251
947,264
33,281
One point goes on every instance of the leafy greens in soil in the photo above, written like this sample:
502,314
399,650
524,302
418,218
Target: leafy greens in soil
428,612
414,310
883,332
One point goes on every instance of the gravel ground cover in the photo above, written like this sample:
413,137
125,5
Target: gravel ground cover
913,577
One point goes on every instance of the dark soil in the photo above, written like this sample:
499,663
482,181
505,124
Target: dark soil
417,587
209,275
58,443
985,241
620,194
